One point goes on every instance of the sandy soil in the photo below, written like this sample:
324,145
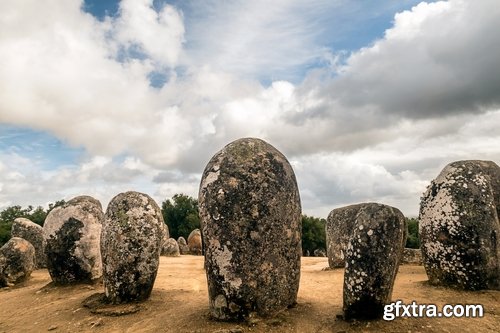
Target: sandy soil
179,303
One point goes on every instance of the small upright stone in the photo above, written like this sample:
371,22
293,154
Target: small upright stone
17,261
194,242
251,224
33,233
72,233
183,246
372,259
339,226
459,226
130,246
170,248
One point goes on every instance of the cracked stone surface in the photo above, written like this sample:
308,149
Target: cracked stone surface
459,227
72,234
17,261
33,233
131,243
251,224
372,257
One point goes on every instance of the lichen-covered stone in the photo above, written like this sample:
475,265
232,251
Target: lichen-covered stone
130,246
183,246
251,225
33,233
372,259
412,256
17,261
338,229
194,242
170,248
459,226
72,233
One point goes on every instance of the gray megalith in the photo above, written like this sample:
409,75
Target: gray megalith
251,225
72,234
130,245
33,233
459,227
17,261
372,257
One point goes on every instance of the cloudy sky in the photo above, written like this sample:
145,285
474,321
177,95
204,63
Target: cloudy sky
369,100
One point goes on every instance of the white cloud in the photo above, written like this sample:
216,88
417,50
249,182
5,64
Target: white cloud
375,128
158,34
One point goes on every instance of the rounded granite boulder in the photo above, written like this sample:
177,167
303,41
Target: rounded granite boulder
459,226
72,234
194,242
170,248
251,224
183,246
17,261
33,233
372,257
130,246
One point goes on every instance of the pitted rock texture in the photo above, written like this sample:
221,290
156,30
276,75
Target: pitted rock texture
372,259
17,261
338,229
33,233
170,248
251,224
72,233
183,247
412,256
194,242
459,227
130,246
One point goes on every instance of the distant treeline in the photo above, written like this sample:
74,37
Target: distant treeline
181,215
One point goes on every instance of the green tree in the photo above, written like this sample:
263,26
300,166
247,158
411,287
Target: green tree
413,239
181,215
313,234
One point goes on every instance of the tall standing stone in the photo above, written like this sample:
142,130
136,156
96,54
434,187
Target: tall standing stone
17,261
251,225
183,246
194,242
459,226
130,247
372,258
72,234
33,233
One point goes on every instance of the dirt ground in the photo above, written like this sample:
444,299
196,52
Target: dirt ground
179,303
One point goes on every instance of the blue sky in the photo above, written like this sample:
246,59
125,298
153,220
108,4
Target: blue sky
368,100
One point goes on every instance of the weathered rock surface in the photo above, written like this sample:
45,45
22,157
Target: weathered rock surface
183,246
412,256
339,226
459,226
130,246
33,233
251,224
170,248
194,242
17,261
372,259
72,233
